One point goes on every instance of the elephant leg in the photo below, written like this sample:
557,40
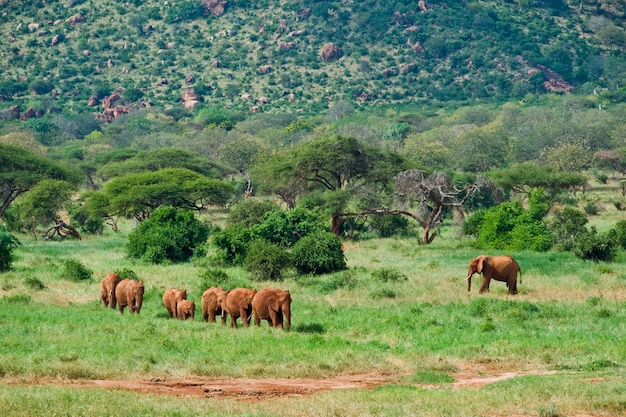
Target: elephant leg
512,287
257,320
244,318
233,321
484,286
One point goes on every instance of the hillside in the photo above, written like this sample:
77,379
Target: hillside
63,55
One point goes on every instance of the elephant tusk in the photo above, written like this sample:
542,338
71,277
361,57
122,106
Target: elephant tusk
468,277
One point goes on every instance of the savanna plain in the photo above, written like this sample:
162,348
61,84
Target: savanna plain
397,334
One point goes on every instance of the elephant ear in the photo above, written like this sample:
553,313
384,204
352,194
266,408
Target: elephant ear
481,260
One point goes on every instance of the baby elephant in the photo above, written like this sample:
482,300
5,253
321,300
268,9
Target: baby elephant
171,298
186,309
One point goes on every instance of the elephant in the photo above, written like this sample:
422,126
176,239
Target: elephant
212,301
272,305
501,268
185,309
238,303
171,298
129,292
107,289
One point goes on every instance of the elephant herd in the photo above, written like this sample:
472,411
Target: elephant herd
271,304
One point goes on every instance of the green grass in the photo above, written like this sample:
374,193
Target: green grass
401,309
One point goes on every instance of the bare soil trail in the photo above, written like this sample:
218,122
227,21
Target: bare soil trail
262,389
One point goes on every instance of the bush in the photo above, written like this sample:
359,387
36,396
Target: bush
219,278
566,227
266,260
389,224
7,243
250,212
170,234
388,274
620,233
285,228
318,253
232,244
596,247
74,270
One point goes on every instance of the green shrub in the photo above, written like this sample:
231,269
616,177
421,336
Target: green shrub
596,247
388,225
620,233
250,211
318,253
566,226
8,242
285,228
170,234
74,270
219,278
17,299
232,244
344,279
591,208
266,260
388,274
34,283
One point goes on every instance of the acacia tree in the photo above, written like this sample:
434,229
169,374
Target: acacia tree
427,198
138,195
341,167
41,206
21,169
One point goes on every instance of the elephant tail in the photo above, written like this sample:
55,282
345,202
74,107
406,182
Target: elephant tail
520,275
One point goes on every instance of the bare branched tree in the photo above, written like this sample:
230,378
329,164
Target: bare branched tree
426,198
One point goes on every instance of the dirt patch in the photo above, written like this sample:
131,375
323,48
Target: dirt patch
261,389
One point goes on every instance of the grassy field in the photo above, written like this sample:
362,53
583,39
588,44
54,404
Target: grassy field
401,310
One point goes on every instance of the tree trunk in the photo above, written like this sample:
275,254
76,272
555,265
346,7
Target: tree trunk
335,228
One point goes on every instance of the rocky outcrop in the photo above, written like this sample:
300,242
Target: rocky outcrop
215,7
110,101
264,69
190,99
330,52
74,20
31,113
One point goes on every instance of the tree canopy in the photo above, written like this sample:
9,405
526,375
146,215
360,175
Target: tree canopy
138,195
21,169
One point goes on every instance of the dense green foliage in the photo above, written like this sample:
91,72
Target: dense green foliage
59,55
169,235
318,253
8,243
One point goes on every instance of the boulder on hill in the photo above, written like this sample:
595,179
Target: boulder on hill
77,18
330,52
214,6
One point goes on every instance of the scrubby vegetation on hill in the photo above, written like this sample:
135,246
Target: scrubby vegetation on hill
301,55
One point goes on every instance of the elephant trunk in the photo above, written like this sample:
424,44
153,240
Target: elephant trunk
469,282
287,315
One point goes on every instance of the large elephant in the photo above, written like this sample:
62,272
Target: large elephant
501,268
185,309
273,305
171,298
129,292
212,301
238,303
107,289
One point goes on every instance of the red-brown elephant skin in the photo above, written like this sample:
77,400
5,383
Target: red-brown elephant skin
186,309
107,289
212,301
273,305
171,299
501,268
238,303
129,292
